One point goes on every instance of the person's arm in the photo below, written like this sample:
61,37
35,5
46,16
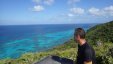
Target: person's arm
89,62
88,57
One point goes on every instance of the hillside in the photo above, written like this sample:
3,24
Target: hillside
102,33
104,52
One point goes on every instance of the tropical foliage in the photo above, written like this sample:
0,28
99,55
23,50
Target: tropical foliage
101,32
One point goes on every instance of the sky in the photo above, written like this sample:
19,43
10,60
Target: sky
25,12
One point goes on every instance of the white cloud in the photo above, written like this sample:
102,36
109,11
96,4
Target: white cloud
37,1
70,15
48,2
40,4
72,1
96,11
109,10
77,10
38,8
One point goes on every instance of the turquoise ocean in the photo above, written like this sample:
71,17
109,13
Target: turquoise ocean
16,40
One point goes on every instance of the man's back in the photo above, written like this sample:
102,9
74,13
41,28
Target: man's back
85,53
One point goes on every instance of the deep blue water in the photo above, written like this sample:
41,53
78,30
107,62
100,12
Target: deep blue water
16,40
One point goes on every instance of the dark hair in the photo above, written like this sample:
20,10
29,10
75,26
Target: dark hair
80,32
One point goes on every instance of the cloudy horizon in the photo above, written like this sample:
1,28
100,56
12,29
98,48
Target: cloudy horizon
24,12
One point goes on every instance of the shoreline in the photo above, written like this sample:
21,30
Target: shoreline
54,51
66,50
69,48
55,47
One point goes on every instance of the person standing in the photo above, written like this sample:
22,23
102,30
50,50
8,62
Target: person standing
86,54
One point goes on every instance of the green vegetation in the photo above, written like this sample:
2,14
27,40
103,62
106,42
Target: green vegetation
101,32
104,52
101,38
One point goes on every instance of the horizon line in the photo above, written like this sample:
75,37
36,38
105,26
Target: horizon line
49,24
